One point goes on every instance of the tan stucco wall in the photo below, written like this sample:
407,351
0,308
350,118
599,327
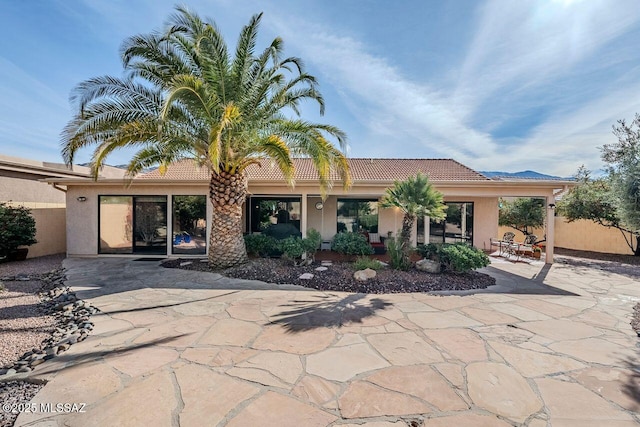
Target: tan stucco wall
582,235
50,232
485,226
29,193
82,225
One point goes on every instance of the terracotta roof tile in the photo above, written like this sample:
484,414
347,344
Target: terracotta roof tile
361,170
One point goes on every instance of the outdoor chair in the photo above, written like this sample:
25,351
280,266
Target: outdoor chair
526,247
503,244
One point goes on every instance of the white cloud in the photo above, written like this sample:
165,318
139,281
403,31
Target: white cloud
392,107
519,48
528,44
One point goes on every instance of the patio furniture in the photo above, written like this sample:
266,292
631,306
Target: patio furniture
376,242
503,244
526,247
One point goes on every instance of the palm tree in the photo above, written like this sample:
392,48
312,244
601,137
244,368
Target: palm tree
186,96
414,197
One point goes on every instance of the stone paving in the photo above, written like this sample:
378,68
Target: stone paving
547,346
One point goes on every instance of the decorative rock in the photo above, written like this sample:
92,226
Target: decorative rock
306,276
364,275
321,268
182,264
428,265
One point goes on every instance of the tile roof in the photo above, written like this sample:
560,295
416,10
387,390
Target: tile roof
361,170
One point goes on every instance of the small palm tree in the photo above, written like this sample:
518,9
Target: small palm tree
414,197
186,96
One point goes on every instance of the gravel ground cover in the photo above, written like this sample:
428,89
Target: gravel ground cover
25,322
339,277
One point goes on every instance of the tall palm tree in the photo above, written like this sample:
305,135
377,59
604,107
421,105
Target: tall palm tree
186,96
414,197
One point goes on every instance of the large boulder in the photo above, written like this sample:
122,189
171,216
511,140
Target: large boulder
364,275
428,265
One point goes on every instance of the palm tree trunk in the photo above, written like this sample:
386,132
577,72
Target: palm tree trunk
226,244
407,226
405,236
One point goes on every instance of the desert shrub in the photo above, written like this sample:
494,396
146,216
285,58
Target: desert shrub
429,251
312,241
351,244
461,258
261,245
397,255
363,262
282,231
301,251
17,228
292,247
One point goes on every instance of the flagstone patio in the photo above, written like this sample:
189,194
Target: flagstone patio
549,345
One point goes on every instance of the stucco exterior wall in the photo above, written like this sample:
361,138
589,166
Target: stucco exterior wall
582,235
31,194
50,232
82,223
485,226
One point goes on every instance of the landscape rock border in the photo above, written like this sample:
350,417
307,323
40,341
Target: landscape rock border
73,324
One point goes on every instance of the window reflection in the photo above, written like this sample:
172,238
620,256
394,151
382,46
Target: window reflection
189,225
356,215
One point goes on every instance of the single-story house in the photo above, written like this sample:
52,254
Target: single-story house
168,215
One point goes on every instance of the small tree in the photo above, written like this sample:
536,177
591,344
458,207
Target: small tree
17,228
595,200
414,197
522,214
614,200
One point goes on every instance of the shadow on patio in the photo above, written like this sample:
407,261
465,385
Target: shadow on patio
329,311
77,359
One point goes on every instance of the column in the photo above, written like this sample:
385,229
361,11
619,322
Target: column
303,215
551,205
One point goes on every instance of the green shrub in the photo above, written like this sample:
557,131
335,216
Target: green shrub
397,258
17,228
363,262
462,258
311,244
261,245
292,248
301,251
429,251
282,231
351,244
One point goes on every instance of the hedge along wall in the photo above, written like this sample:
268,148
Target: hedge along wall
582,235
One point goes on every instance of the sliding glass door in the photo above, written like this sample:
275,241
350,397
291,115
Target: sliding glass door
133,225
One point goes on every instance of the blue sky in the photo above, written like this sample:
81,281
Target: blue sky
498,85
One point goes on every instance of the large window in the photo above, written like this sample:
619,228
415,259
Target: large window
457,227
133,225
357,215
265,211
189,225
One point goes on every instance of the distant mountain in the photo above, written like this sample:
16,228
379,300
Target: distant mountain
523,174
